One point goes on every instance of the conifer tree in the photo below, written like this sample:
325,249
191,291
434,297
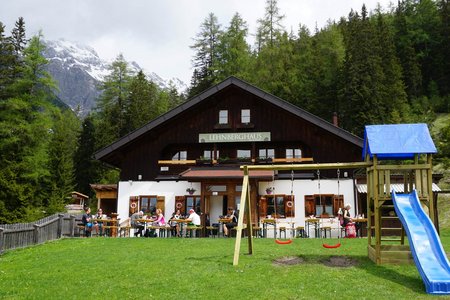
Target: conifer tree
233,51
18,38
142,103
361,96
25,135
406,53
112,103
87,169
270,26
393,90
62,148
206,56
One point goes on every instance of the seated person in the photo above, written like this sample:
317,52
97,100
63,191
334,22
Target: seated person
160,220
175,227
99,225
137,225
87,221
194,218
233,221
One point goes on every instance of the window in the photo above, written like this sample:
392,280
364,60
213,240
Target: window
293,153
185,203
223,117
180,155
148,204
209,154
244,153
278,206
193,202
245,116
323,205
266,153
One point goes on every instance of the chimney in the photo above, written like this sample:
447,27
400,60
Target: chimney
335,119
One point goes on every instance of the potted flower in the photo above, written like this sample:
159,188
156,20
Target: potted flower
269,190
190,190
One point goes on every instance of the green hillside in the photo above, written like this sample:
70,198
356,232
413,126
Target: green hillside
444,199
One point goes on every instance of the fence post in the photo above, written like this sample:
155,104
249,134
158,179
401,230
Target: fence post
36,233
1,240
72,225
60,226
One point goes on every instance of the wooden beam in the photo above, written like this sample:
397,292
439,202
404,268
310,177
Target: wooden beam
245,201
298,167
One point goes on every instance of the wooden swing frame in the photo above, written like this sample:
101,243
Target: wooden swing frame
245,208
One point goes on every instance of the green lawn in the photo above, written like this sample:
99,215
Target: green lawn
173,268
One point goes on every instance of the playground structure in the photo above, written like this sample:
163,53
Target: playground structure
410,147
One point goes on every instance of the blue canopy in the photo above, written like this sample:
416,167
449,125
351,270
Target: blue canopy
397,141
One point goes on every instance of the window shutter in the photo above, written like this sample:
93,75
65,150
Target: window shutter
338,202
179,204
133,205
289,206
160,203
262,207
310,207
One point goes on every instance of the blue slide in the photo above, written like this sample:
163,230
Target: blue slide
426,247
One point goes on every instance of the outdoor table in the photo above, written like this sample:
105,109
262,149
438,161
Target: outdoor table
360,221
271,222
145,222
107,224
181,222
315,224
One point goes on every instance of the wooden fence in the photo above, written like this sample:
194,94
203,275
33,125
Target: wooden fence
20,235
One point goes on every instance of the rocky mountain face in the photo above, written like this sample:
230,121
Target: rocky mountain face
79,70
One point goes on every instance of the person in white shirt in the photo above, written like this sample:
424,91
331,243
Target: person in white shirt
194,218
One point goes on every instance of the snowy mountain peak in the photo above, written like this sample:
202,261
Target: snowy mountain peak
78,70
75,55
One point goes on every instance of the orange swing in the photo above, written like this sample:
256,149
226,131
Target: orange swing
290,202
328,246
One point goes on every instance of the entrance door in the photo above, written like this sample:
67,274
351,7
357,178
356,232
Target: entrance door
216,208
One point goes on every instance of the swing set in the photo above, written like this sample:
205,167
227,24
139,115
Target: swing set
245,199
338,244
290,202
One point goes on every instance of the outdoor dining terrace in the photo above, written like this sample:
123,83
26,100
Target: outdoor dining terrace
21,235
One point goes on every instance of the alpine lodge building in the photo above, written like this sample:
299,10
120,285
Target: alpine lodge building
190,157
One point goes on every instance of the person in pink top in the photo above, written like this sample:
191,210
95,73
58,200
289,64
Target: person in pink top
160,220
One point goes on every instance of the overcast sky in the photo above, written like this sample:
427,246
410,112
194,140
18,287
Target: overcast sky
157,33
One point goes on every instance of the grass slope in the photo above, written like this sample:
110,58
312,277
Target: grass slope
130,268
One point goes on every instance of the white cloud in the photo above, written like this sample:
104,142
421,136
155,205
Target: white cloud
157,34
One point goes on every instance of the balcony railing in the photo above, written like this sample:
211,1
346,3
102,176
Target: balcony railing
230,161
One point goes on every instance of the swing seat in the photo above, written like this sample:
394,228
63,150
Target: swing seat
280,242
331,246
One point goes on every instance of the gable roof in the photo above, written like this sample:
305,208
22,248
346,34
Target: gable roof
217,88
397,141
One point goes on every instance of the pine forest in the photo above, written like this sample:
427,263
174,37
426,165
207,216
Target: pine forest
386,66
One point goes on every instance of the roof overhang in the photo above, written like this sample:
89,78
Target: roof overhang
196,174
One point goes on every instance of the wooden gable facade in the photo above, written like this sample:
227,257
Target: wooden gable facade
141,154
203,142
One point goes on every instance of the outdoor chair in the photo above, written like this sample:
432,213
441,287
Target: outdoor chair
282,230
193,230
212,231
301,232
324,230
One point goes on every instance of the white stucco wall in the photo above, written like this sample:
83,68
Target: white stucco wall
170,189
310,187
